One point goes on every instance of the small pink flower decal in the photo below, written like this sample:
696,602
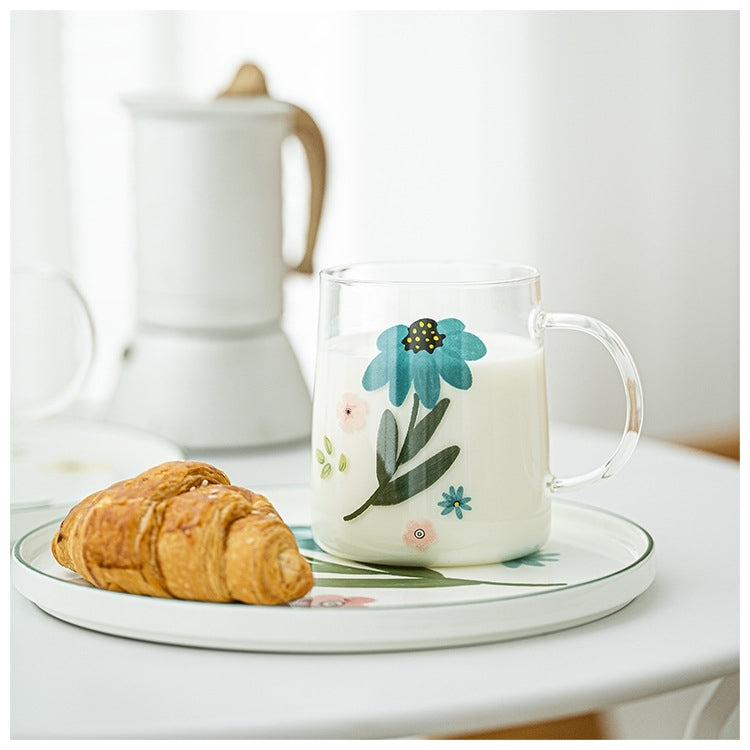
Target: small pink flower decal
420,534
331,600
351,411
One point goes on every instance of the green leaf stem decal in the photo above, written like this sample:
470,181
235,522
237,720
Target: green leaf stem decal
418,436
387,446
392,489
418,479
339,573
331,574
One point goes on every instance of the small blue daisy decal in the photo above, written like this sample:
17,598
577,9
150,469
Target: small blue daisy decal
455,502
423,354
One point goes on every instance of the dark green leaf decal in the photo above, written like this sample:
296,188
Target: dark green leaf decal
394,583
427,473
419,478
385,465
392,490
324,566
420,583
418,436
397,577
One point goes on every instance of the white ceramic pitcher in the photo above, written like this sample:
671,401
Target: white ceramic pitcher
209,365
208,208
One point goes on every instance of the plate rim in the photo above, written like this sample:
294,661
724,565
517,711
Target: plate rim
83,428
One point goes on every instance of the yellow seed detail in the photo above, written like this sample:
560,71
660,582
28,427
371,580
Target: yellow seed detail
423,335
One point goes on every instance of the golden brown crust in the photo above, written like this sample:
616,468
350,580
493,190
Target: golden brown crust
178,530
271,572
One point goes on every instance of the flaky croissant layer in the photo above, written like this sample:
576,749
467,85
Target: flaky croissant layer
181,530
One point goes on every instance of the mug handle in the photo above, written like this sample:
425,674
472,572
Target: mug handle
57,403
633,393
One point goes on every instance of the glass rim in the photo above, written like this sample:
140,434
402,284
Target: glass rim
453,273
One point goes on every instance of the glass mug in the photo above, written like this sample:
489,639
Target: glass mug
430,429
52,342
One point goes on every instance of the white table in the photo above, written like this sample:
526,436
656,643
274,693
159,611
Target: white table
67,682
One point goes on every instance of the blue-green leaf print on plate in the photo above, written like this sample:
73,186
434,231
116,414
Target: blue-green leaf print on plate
305,539
537,559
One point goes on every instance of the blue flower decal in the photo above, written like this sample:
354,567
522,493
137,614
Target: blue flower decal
422,354
535,559
455,502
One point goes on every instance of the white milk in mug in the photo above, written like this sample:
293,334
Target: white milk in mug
454,474
430,437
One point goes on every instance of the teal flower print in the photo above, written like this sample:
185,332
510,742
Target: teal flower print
423,353
455,502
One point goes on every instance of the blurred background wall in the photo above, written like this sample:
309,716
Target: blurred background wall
601,146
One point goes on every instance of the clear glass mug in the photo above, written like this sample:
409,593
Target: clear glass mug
52,342
430,428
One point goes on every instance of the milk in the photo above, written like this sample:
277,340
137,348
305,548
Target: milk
494,495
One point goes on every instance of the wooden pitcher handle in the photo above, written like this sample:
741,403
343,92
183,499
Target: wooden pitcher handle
309,135
250,81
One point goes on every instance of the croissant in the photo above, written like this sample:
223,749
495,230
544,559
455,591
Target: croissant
181,530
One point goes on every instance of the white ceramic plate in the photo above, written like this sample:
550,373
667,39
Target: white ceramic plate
594,564
57,462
